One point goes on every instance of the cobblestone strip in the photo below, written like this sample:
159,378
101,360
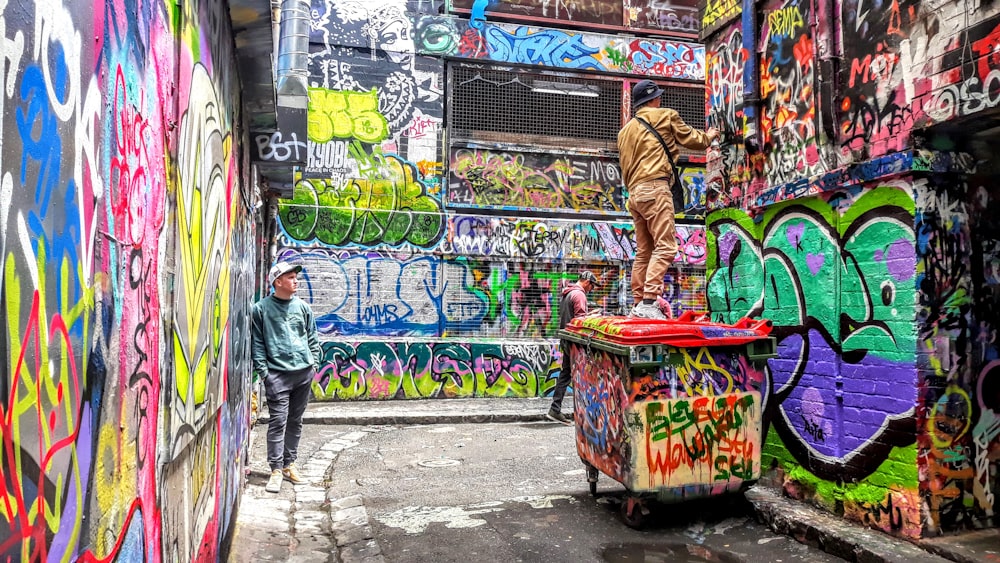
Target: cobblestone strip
349,523
299,524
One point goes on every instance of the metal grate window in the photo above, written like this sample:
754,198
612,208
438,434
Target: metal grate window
683,287
689,102
534,109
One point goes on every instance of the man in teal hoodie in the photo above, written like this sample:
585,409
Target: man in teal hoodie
286,355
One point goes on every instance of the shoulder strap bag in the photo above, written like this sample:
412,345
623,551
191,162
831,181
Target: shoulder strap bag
676,190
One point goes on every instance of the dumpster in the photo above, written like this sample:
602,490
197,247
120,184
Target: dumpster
671,409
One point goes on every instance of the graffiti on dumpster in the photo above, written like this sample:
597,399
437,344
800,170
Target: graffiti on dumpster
702,440
654,431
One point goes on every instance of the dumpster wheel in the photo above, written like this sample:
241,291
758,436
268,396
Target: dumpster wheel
592,474
633,512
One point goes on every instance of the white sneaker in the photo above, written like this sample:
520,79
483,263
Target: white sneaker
274,483
648,311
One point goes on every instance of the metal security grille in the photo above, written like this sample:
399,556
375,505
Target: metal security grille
537,109
689,102
683,287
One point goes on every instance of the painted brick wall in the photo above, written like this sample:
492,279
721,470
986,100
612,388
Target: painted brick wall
128,267
902,334
837,276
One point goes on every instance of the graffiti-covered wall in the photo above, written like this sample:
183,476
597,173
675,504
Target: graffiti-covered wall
437,230
828,89
853,206
128,264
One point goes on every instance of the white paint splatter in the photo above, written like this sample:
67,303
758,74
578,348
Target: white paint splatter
542,501
416,519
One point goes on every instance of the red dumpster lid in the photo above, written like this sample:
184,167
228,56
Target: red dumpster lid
689,330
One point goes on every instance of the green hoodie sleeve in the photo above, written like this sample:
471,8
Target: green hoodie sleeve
314,347
258,348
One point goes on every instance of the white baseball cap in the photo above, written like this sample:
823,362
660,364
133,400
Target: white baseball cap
280,269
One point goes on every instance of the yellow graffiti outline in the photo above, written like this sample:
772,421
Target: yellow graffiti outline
703,361
932,417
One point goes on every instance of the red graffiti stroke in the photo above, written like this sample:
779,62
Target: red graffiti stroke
89,557
25,529
987,50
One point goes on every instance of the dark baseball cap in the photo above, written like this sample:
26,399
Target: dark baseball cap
587,275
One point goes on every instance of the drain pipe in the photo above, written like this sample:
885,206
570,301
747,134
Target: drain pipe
751,79
293,54
828,53
292,87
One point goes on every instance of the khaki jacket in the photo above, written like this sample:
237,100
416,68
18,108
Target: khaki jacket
641,155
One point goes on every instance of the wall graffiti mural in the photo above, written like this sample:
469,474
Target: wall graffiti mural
431,370
366,49
395,248
959,431
373,294
777,268
663,15
533,180
875,117
392,209
787,83
727,170
678,16
381,294
204,208
607,12
717,12
984,388
95,159
532,45
856,176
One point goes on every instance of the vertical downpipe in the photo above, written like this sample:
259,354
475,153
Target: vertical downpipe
827,50
751,79
293,55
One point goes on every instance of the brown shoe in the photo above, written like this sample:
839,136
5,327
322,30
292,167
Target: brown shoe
291,474
557,416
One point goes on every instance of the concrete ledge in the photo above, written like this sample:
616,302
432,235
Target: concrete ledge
833,534
431,411
967,547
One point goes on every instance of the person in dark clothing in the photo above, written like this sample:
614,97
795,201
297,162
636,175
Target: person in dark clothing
286,354
572,305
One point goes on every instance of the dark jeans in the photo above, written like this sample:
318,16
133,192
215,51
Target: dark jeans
287,397
565,377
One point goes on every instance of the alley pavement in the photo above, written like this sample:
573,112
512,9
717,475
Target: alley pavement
301,524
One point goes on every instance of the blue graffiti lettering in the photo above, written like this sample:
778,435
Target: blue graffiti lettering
545,47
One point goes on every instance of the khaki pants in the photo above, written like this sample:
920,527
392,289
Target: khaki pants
652,207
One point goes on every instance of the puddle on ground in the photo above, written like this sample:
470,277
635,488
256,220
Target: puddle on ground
665,553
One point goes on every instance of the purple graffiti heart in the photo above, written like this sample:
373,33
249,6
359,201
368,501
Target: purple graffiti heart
815,262
794,234
901,260
726,244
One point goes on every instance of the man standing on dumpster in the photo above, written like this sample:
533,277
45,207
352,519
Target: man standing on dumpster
286,353
648,174
572,305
